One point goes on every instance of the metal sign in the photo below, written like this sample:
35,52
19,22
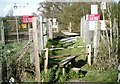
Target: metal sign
94,9
54,20
103,5
93,25
24,25
94,17
27,19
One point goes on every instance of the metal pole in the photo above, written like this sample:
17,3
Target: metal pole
2,33
50,29
28,27
84,22
41,34
17,30
110,24
81,28
95,43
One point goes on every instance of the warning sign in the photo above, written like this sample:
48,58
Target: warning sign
94,17
27,19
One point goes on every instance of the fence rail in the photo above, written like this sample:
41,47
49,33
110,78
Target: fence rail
66,48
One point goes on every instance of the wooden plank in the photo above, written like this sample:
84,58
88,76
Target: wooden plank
66,61
69,38
22,52
76,69
67,55
66,48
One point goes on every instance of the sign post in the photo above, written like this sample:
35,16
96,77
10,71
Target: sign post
17,29
95,17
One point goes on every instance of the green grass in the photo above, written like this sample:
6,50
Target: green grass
75,51
9,54
55,74
66,51
94,75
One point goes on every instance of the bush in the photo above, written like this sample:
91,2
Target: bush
63,78
47,77
73,75
56,43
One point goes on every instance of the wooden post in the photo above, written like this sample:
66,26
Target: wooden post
2,33
118,73
1,70
69,28
111,36
117,42
89,54
35,39
63,70
46,60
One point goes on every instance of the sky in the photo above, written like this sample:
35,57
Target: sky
23,8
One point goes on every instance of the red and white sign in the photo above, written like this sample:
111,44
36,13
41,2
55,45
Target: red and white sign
27,19
94,17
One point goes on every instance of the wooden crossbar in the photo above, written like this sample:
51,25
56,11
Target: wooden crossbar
66,61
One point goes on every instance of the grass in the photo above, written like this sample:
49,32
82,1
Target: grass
92,75
75,51
66,51
10,50
55,74
8,54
